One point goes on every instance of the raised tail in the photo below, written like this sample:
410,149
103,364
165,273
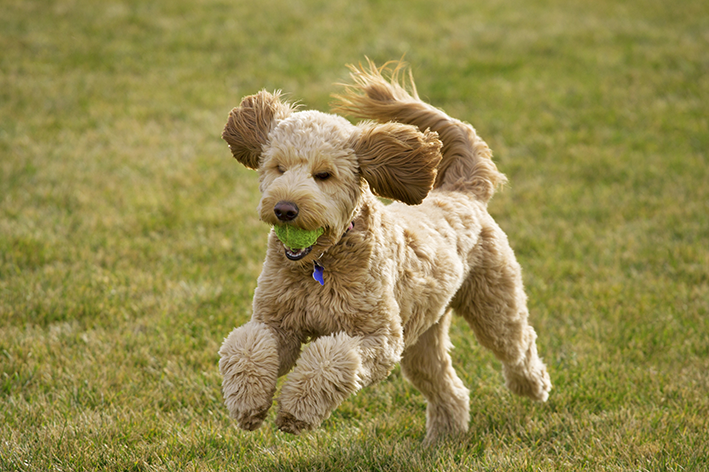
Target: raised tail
467,164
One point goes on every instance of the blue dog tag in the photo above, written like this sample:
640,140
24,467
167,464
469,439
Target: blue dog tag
318,272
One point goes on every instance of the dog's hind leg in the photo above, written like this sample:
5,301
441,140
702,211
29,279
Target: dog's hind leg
493,302
427,365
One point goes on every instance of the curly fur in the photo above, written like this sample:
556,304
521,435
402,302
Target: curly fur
393,280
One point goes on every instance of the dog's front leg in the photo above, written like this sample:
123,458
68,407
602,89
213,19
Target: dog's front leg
252,357
328,371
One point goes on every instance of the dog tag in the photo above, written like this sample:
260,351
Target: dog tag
318,273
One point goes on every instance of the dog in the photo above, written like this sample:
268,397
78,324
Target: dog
381,283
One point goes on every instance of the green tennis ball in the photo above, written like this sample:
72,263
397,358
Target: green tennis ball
296,238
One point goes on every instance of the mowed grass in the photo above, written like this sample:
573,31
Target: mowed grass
130,246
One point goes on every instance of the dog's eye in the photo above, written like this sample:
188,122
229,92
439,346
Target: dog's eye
322,175
281,169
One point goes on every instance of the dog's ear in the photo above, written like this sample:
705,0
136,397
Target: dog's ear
397,160
250,123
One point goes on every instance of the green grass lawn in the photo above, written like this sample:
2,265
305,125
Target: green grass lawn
130,245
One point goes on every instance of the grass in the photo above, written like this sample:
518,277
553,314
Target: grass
130,246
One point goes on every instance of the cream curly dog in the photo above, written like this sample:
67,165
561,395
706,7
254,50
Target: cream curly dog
390,276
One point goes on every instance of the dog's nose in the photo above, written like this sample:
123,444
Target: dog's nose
285,211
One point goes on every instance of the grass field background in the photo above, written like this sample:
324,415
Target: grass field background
130,246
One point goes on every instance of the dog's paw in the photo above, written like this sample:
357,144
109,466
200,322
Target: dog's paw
248,402
250,420
290,424
532,382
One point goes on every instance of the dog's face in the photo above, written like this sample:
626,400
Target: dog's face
313,166
309,176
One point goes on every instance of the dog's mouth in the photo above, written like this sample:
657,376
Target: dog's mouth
297,254
297,242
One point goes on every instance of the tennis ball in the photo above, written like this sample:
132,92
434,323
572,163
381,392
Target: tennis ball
296,238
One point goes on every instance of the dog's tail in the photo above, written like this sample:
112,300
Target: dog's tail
381,94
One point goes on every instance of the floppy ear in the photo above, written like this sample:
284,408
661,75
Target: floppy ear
398,160
250,123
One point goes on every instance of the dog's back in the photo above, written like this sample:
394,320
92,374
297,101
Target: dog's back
467,164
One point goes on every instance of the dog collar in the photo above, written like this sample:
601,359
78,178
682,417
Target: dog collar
319,270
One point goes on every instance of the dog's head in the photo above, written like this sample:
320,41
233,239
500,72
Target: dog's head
314,167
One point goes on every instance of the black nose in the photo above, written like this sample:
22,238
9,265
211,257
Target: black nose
285,211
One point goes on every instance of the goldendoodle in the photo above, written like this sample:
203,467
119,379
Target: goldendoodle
364,285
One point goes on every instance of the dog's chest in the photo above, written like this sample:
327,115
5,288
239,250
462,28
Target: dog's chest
298,303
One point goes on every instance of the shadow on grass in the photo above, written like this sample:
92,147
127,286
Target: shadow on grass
371,449
372,454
